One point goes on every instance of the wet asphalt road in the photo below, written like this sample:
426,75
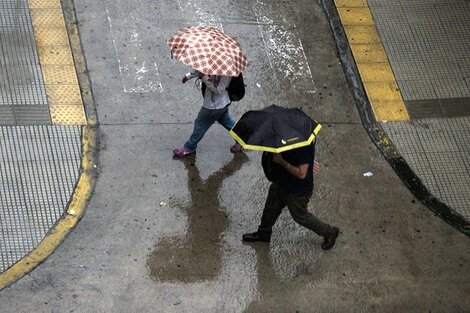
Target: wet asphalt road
164,235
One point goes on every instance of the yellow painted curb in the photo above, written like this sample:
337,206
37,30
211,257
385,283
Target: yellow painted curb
372,61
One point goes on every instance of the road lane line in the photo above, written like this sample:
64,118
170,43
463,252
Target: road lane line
139,74
285,50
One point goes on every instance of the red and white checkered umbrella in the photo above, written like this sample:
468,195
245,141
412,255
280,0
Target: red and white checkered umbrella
208,50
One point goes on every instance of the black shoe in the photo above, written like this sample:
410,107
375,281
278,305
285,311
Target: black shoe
257,236
330,240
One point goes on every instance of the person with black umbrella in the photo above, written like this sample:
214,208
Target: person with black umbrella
288,161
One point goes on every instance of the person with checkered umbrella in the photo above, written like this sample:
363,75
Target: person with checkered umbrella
216,59
215,108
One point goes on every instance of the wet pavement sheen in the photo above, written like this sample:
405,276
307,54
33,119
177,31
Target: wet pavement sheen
164,235
197,254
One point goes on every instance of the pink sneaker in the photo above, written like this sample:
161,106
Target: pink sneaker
236,148
183,152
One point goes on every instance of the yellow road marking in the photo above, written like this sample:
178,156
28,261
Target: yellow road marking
371,60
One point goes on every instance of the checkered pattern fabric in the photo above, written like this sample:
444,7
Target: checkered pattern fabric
208,50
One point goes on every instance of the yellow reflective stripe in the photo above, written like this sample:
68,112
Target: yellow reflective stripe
277,150
317,129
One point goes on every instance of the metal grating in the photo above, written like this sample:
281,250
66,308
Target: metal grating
32,115
37,179
21,81
438,151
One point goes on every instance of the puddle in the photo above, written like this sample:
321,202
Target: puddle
196,255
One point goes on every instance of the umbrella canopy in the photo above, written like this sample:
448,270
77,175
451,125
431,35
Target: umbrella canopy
275,129
208,50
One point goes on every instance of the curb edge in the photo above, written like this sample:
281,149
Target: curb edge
376,132
86,182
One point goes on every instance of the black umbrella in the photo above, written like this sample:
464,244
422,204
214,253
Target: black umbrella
275,129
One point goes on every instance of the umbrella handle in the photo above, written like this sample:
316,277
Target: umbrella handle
171,51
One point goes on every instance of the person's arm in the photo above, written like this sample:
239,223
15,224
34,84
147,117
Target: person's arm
221,86
299,171
316,167
190,75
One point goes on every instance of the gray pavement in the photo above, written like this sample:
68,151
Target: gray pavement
143,246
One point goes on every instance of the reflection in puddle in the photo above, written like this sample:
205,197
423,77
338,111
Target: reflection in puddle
278,268
196,255
267,278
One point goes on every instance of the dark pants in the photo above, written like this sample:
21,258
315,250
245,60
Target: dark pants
278,199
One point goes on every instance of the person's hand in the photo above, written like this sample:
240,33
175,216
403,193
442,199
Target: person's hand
277,158
316,167
185,79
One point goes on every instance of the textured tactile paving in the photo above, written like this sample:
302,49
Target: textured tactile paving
22,93
448,107
37,181
68,114
39,163
25,84
427,42
438,151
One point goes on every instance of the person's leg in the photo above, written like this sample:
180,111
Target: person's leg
227,121
204,120
272,209
298,209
